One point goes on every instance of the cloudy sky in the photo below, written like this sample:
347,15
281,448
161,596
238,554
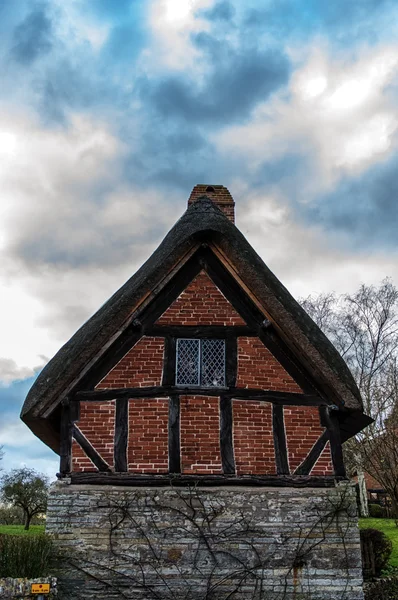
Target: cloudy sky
112,110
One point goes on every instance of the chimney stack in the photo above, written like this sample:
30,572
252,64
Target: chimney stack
218,194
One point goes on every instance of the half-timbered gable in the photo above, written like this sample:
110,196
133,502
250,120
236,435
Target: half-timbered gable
202,370
202,364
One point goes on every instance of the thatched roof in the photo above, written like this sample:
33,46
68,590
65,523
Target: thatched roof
205,222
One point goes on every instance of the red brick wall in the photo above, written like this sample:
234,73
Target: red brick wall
257,368
324,465
201,303
200,435
302,425
253,438
372,483
148,436
141,366
97,422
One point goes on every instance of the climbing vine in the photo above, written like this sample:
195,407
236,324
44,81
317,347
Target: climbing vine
186,544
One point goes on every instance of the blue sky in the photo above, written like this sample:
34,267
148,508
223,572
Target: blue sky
111,111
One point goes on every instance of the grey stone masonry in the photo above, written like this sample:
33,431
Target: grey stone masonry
206,543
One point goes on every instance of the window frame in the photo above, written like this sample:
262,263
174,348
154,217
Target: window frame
201,341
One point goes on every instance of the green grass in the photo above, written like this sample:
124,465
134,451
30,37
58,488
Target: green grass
19,529
388,527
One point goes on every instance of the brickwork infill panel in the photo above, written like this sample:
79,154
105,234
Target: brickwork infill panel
258,368
303,428
97,422
253,438
200,435
201,303
142,366
148,435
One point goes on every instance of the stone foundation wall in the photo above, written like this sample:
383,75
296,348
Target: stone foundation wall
206,543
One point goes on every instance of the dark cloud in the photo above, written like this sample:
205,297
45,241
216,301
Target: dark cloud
222,11
283,173
66,86
88,244
33,37
363,207
236,82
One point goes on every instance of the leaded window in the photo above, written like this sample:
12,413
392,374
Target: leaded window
200,362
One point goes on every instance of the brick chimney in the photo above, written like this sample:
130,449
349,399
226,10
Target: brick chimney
218,194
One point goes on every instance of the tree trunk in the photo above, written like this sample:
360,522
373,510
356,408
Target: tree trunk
363,495
394,503
28,519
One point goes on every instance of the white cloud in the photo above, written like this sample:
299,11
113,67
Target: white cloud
74,30
9,370
338,114
172,23
306,259
16,435
70,232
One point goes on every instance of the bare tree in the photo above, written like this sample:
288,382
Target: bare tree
26,489
364,328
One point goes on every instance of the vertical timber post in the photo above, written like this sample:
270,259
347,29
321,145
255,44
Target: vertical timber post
174,435
169,363
226,437
121,434
66,433
330,421
278,426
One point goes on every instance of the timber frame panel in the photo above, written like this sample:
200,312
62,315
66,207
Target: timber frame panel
143,324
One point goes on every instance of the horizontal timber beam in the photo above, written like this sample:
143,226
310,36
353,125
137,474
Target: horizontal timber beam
196,331
162,391
204,480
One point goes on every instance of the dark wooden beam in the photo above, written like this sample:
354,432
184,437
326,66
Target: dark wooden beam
226,441
88,449
66,434
199,331
203,480
255,320
309,462
278,425
256,324
133,333
121,434
231,360
174,435
233,291
169,362
162,391
329,419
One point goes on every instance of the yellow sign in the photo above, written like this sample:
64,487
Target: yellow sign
40,588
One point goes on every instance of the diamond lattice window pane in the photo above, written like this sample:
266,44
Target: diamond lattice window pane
188,361
213,363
